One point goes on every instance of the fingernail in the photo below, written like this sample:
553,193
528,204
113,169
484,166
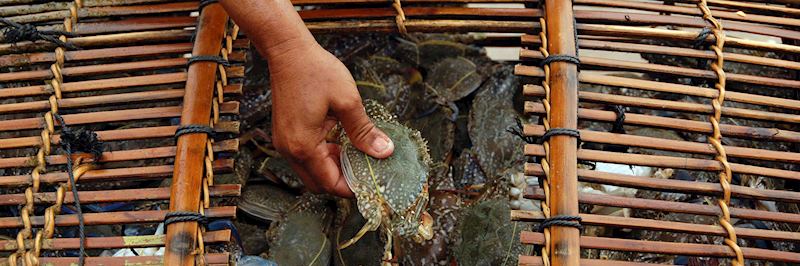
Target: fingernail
381,144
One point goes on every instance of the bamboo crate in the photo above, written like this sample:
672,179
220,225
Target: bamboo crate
130,84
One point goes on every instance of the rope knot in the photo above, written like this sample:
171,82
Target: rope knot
16,32
82,140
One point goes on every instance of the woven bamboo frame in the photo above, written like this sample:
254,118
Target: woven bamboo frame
142,30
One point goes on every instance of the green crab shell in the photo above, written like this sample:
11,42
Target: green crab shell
399,180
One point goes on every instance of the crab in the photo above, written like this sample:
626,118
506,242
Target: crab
391,193
486,235
297,232
445,207
388,81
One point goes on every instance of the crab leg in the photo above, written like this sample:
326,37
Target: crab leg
387,249
371,225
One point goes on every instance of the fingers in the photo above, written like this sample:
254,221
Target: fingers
361,131
320,171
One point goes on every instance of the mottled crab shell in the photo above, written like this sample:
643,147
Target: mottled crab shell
265,202
399,182
488,236
300,238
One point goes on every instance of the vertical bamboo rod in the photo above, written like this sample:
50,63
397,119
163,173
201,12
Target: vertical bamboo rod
185,192
565,246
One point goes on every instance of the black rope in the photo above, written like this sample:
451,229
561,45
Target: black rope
560,58
15,32
517,131
192,129
184,216
560,131
561,220
700,40
620,121
207,58
204,3
78,140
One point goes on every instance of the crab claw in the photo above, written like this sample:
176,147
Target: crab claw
425,227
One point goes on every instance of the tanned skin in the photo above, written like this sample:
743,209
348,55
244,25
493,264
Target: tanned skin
311,91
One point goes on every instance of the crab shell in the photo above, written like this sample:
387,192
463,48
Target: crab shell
396,187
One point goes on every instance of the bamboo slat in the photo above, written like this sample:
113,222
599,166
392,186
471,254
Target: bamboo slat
691,249
112,242
110,218
119,195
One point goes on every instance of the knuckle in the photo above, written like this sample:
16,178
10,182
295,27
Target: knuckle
348,104
295,149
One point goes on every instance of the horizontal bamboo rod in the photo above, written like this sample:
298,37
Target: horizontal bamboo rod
669,162
87,101
537,261
111,83
111,242
468,13
426,26
649,85
112,174
679,106
673,185
107,53
77,71
114,218
119,195
675,51
107,11
109,116
123,25
627,17
326,2
674,145
672,70
671,248
678,207
668,226
772,134
127,38
632,31
752,6
687,10
16,7
117,135
116,156
212,259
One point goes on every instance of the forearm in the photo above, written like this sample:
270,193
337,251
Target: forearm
273,25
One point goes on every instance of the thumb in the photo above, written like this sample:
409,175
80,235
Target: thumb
362,132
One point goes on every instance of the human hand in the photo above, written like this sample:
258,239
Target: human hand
311,91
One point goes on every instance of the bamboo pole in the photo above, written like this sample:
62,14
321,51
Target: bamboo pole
565,245
673,185
674,145
116,135
114,218
672,248
669,162
112,242
213,259
87,101
116,156
115,174
727,15
678,207
673,70
669,226
690,107
109,116
630,31
185,189
108,53
118,195
537,261
77,71
111,83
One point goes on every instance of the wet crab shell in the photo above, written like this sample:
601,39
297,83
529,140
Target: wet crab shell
399,182
265,202
299,237
487,236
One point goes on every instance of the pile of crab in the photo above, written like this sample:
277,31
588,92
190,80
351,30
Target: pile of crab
445,194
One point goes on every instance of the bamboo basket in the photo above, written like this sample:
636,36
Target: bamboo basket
129,83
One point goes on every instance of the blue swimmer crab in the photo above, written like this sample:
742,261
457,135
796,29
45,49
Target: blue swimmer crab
391,193
296,235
